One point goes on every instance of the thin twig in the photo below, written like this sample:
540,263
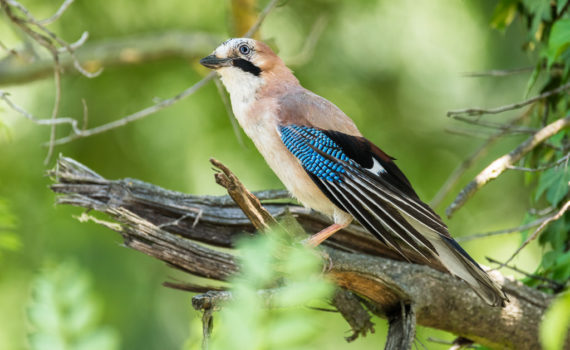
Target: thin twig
501,232
311,41
553,284
137,115
541,212
85,114
44,40
507,127
498,72
498,166
55,111
57,14
190,287
480,111
261,18
165,103
76,44
540,228
49,45
229,111
475,133
72,122
541,168
207,325
454,177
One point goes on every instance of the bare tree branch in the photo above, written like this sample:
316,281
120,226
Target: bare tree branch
251,206
45,37
260,18
501,232
308,48
541,168
58,121
137,115
357,260
499,72
351,309
56,103
510,127
166,103
131,50
229,110
480,111
57,14
556,287
454,177
501,164
540,228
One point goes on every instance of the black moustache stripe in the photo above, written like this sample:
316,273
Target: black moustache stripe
246,66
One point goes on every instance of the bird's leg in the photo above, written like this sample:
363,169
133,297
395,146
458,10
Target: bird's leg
320,236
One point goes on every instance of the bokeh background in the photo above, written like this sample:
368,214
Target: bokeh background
395,67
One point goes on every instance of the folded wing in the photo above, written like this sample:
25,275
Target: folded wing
365,182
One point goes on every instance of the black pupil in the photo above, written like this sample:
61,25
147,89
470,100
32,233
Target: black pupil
244,49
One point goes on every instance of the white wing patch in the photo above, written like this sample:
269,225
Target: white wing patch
377,168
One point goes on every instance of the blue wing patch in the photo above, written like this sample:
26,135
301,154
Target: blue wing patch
303,142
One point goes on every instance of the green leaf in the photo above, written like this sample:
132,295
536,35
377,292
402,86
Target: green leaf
63,312
533,77
560,5
504,14
562,267
554,182
300,293
549,259
288,331
559,188
293,272
558,41
554,327
556,234
540,13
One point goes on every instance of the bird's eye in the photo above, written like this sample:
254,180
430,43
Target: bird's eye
244,49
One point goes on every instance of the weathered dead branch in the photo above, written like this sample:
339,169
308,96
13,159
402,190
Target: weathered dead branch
149,219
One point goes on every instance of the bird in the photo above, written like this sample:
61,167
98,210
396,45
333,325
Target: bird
325,162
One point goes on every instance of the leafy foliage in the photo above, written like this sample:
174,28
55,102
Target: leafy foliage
278,280
548,25
64,313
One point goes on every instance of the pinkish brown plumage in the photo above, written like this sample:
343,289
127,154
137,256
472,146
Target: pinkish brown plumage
321,157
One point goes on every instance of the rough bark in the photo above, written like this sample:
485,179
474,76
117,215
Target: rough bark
172,226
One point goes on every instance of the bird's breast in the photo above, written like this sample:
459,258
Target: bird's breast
260,124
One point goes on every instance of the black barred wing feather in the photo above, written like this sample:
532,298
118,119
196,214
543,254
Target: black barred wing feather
352,184
362,180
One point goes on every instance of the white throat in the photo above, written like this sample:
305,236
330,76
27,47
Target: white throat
242,87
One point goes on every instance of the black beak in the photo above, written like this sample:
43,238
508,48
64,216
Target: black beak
214,62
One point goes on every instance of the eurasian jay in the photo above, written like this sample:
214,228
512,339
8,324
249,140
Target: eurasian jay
324,161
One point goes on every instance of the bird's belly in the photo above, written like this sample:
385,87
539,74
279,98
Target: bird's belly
290,171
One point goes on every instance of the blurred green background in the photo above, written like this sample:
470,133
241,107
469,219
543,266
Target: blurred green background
395,67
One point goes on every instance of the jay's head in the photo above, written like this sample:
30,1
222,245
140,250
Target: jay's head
244,62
